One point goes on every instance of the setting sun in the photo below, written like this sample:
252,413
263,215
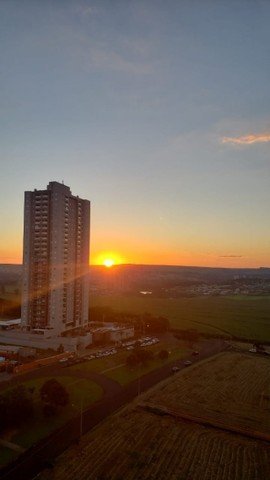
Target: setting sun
108,262
107,258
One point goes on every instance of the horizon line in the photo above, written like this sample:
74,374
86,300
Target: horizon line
158,265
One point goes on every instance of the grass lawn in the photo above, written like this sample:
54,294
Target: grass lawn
6,455
125,375
244,316
79,390
100,364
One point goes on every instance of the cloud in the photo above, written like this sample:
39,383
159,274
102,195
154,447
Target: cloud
231,256
248,139
101,58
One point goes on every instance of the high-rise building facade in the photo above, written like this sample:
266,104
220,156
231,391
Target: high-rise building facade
55,289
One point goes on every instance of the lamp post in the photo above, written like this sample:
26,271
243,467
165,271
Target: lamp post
80,410
139,381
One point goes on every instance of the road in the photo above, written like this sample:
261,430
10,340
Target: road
42,454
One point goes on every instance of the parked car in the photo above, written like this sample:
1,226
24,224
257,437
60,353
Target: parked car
187,363
63,360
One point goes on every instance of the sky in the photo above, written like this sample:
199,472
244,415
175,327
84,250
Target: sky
157,112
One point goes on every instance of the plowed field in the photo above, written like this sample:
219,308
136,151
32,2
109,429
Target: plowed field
233,389
139,444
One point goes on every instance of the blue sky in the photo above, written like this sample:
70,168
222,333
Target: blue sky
158,112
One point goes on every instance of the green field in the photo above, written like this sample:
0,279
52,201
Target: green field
243,316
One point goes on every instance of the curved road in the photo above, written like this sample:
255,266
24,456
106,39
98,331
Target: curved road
108,385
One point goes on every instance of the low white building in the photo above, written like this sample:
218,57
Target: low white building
119,334
10,324
104,332
34,340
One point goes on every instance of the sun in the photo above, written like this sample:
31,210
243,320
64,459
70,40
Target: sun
108,262
108,258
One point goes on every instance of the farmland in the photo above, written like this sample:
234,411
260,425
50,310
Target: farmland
243,316
232,389
137,443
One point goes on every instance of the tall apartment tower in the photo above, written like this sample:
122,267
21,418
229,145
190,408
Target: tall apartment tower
55,260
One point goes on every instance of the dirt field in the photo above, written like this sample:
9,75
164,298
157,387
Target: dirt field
139,444
232,389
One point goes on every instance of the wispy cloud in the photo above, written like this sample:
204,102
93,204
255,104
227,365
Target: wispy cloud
231,256
248,139
101,58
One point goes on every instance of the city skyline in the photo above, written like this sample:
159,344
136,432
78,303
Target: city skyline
157,113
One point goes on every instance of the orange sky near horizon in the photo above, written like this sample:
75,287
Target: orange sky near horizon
156,256
212,245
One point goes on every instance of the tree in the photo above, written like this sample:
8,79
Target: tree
144,355
132,360
154,324
190,336
54,393
49,410
163,354
16,406
60,349
139,357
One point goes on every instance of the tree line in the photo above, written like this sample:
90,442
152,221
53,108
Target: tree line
144,323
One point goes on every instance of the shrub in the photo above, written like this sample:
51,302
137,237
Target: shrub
54,393
163,354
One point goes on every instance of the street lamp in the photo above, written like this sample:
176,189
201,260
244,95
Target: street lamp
139,382
80,410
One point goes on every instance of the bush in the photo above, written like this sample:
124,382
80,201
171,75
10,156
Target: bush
132,360
54,393
139,357
49,410
163,354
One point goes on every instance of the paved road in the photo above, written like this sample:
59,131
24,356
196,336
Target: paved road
41,455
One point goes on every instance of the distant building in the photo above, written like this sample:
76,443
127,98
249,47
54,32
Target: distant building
55,260
106,332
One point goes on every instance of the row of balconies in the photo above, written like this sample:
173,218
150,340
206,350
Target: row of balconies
42,240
